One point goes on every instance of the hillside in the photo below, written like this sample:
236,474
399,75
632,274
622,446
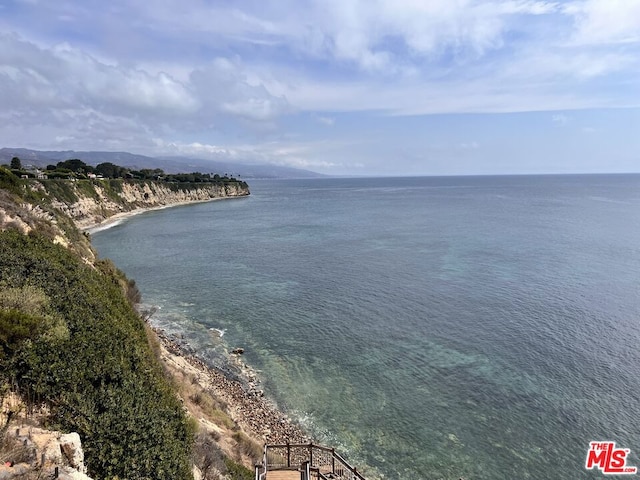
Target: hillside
74,349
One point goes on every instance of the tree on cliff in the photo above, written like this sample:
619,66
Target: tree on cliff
110,170
16,164
75,165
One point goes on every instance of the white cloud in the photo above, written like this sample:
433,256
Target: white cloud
64,76
606,21
500,92
224,86
200,72
369,33
50,83
429,49
306,155
197,149
374,35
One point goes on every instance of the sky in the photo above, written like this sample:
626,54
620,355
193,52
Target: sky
340,87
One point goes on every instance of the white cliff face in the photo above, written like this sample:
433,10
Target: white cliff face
96,201
41,453
71,447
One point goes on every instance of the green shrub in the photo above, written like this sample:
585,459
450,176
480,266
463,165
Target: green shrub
86,188
236,471
9,181
98,374
62,190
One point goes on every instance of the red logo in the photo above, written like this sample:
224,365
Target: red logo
609,459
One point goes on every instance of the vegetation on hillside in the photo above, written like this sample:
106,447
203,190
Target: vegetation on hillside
14,195
77,169
69,339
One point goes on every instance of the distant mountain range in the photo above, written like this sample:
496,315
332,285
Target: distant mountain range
168,164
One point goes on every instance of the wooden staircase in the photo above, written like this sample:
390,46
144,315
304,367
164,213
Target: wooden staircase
304,462
283,475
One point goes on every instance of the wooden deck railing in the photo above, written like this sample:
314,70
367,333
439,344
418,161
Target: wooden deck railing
314,462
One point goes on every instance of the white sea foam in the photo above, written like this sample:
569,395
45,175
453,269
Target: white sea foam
220,331
105,226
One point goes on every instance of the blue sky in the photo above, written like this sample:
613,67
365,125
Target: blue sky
362,87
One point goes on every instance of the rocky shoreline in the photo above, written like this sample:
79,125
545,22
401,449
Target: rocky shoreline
259,418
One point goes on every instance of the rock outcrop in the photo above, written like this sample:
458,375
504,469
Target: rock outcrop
72,449
46,453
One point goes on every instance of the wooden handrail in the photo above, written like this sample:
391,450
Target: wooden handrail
323,461
300,445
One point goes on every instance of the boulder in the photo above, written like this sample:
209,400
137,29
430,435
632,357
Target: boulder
67,473
72,448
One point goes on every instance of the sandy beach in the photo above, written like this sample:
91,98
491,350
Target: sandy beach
120,217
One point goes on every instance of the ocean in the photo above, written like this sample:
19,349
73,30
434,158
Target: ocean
428,328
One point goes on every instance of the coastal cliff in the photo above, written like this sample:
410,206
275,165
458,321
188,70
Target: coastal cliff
90,202
62,208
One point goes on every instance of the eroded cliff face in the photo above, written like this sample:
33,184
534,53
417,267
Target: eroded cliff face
89,203
59,208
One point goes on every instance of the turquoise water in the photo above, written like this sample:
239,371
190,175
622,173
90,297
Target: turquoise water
437,328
